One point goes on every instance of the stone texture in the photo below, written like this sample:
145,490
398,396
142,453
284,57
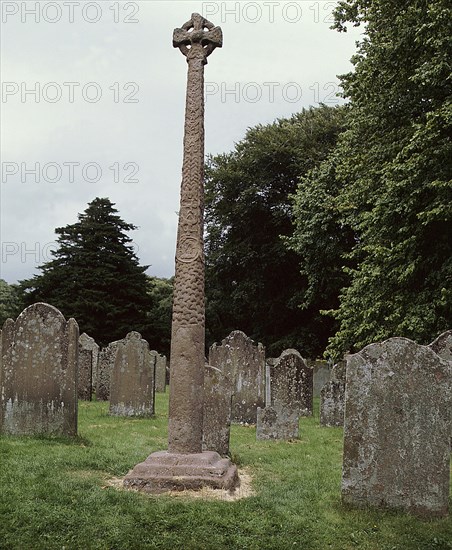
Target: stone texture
332,397
88,352
321,374
164,471
291,383
397,426
217,410
38,373
188,323
132,381
245,361
105,365
442,346
160,372
339,371
332,402
277,424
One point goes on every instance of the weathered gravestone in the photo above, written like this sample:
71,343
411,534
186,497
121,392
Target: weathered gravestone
105,365
132,385
88,352
291,383
245,361
273,423
321,374
397,426
38,373
332,398
160,372
288,395
442,346
217,410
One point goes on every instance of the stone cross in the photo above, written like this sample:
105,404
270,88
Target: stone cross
196,40
185,465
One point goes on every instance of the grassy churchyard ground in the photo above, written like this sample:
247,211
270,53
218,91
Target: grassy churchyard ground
62,494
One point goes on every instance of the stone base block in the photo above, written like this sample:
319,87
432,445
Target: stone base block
164,471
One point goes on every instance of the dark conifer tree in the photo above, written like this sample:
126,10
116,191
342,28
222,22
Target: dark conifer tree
95,275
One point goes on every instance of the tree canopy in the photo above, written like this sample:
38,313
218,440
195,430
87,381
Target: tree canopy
10,303
253,280
95,275
394,165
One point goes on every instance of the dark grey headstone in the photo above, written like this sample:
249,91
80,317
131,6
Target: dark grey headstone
160,372
291,382
217,410
105,365
239,355
88,352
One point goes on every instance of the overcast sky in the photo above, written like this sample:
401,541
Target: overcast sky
93,97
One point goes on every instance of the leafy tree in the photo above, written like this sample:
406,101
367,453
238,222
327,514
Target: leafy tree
10,302
95,276
320,238
158,324
253,280
395,165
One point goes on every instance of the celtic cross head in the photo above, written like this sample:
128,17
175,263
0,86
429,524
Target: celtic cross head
197,38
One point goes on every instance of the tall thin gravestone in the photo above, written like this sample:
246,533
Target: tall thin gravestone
184,465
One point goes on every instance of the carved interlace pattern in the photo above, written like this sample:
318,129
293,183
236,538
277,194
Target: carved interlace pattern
188,303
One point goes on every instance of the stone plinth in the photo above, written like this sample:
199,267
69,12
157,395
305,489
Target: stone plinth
165,471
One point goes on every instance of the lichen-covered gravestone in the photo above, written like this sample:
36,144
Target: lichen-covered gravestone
321,374
289,395
217,410
442,346
245,361
397,426
132,385
276,423
87,366
291,383
160,372
106,362
332,398
38,373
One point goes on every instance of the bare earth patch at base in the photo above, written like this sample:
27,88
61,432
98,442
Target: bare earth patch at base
244,491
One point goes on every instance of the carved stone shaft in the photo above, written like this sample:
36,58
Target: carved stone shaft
188,324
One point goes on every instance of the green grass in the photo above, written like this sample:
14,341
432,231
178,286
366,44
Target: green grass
53,495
